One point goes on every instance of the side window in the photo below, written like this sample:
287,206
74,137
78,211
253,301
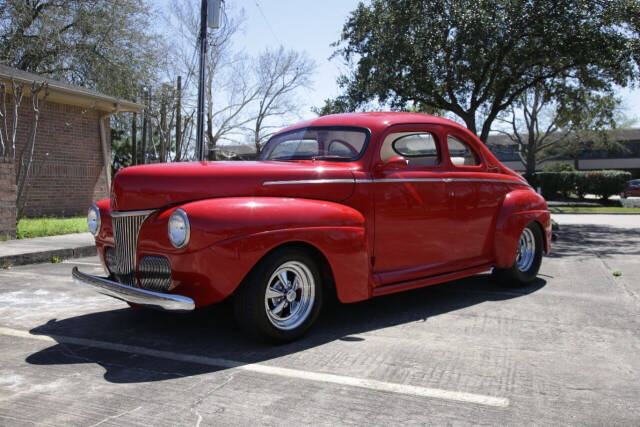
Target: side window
419,148
461,154
295,147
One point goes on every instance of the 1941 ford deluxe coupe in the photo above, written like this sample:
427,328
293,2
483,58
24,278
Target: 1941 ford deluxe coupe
359,205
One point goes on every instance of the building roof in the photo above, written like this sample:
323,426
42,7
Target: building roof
65,93
632,134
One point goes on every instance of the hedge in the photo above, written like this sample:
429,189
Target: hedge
604,183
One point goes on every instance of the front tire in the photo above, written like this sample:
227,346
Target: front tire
281,297
528,258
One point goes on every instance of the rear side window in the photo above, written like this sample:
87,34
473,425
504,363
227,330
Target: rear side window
461,154
416,145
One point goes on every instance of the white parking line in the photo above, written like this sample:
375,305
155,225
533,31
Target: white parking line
72,262
271,370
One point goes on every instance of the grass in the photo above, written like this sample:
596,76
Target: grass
592,209
40,227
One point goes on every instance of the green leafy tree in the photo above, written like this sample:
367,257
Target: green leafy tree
107,45
475,58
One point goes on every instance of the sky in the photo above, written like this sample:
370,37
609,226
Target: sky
311,26
303,25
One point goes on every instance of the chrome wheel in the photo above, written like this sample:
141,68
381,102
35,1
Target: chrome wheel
526,250
290,295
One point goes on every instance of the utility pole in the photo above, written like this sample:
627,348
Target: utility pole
164,128
145,119
179,119
149,144
209,17
203,52
134,138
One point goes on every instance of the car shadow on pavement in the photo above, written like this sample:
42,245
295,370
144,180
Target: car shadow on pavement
577,239
211,332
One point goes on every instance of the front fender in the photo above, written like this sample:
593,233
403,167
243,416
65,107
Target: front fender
519,208
230,235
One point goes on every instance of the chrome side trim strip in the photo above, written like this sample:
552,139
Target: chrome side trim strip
121,214
122,292
368,181
310,181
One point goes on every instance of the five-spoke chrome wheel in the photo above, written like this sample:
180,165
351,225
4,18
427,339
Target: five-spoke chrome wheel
526,250
290,295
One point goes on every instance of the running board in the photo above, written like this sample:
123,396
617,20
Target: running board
428,281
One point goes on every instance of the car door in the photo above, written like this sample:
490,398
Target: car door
477,196
413,212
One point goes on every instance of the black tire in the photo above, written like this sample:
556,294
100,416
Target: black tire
516,276
250,302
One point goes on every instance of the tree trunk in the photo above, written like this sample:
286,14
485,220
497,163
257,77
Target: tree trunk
530,167
211,141
164,132
143,143
134,139
179,120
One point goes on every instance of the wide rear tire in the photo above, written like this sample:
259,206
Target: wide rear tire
528,258
281,298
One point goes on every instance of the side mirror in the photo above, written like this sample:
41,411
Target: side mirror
394,163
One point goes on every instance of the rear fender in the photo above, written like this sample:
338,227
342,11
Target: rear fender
519,208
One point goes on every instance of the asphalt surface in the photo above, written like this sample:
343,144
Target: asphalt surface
562,351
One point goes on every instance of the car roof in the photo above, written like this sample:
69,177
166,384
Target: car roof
375,121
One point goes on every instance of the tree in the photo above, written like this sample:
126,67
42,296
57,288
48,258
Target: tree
24,157
547,123
86,43
475,58
229,89
591,121
279,74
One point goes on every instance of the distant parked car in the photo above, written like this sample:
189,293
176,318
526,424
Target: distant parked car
632,190
359,205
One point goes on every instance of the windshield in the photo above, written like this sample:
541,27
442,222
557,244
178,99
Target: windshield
316,144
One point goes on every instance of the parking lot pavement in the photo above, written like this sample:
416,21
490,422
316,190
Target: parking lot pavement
561,351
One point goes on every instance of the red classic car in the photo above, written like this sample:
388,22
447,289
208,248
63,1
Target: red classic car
355,205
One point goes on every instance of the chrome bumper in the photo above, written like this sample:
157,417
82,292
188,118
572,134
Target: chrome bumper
139,296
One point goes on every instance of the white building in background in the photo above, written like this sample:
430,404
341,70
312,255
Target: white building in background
591,159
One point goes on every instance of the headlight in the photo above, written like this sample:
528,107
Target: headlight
93,220
179,229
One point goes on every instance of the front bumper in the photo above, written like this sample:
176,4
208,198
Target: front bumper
130,294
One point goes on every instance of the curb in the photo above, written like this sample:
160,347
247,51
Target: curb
46,256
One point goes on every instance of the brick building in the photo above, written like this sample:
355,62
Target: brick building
72,150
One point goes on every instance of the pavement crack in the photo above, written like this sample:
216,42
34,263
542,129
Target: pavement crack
112,417
621,281
198,400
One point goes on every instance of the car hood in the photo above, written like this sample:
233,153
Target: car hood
158,185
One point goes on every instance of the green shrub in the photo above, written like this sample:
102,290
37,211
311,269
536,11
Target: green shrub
603,183
558,167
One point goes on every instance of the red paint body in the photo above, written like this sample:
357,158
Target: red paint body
380,230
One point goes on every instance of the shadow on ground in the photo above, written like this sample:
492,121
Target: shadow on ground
212,333
576,240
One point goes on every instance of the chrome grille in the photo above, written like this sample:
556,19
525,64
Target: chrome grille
125,234
155,273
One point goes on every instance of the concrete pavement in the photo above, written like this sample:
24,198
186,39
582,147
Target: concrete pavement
561,351
43,249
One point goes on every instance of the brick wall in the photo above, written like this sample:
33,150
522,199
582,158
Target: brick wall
7,199
68,172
